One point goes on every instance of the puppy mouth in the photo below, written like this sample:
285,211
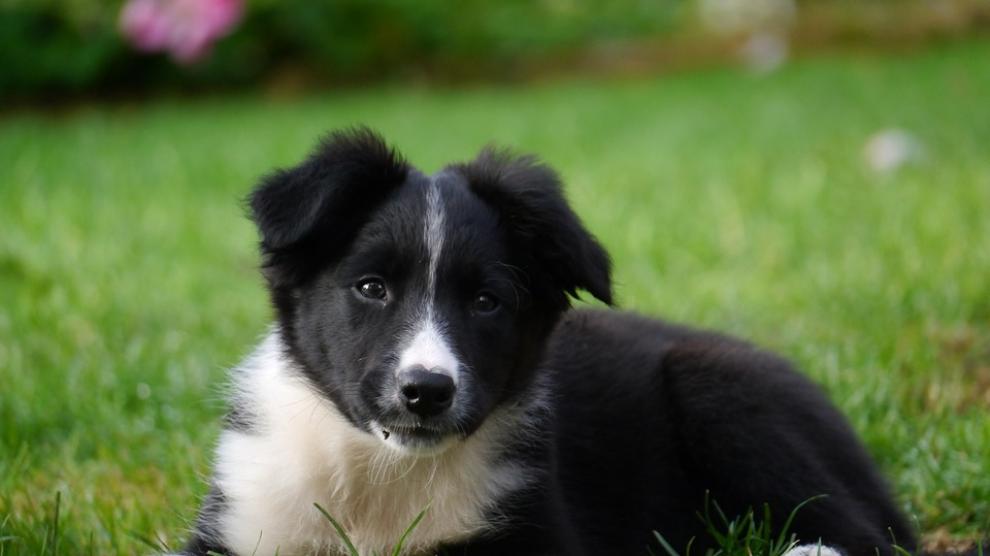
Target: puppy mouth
421,432
415,437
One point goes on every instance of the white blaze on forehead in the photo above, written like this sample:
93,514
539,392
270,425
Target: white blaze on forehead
429,347
433,233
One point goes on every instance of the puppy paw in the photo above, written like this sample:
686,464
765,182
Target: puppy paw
813,550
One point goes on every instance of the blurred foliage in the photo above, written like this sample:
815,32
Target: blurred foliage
50,49
57,46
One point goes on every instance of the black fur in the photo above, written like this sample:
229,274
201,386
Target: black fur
206,537
643,419
306,215
528,197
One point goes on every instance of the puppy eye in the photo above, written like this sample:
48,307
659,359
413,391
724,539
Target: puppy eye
372,288
484,302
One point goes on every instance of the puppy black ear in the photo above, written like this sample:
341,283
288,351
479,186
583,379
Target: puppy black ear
307,213
348,173
529,198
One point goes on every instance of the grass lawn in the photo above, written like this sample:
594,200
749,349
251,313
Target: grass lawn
128,281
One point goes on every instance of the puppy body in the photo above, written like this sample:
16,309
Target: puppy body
425,358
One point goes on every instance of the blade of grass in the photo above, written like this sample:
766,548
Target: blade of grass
402,540
790,518
157,545
54,527
666,545
340,531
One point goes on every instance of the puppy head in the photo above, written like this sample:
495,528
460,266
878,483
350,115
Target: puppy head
417,304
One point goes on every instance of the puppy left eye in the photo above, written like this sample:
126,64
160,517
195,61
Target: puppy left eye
372,288
485,303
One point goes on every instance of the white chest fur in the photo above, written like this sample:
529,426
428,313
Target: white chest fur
305,452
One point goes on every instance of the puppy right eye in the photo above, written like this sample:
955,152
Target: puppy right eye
485,303
372,288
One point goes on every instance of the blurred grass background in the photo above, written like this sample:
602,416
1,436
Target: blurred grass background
729,198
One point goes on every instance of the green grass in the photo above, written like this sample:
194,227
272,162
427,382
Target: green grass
746,535
128,281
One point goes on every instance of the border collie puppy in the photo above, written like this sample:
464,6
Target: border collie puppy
425,357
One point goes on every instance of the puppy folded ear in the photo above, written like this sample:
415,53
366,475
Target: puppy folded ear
529,198
307,212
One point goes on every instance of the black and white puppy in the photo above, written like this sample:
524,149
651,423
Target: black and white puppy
424,357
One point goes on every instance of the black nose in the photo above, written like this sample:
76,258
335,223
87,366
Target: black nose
426,393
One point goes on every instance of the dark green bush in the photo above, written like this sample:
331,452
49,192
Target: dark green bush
53,48
70,46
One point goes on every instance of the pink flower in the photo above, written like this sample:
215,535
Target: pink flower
185,28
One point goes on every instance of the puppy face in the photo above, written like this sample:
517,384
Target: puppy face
418,304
